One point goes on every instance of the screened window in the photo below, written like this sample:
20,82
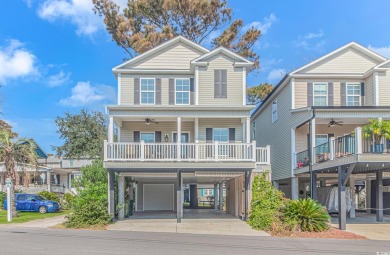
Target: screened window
182,91
147,91
353,94
147,137
221,134
320,94
274,111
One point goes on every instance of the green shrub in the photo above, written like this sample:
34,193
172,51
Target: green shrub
67,200
266,203
309,214
50,195
91,203
3,197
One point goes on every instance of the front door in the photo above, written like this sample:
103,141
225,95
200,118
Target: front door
185,150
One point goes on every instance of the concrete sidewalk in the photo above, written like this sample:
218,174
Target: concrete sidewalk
41,223
229,226
371,231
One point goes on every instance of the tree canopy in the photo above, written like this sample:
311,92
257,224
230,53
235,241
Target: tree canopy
257,94
144,24
83,134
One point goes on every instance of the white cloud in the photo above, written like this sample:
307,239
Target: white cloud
384,51
264,25
16,62
58,79
276,75
311,41
78,12
84,94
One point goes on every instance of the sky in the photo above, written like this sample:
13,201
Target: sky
56,57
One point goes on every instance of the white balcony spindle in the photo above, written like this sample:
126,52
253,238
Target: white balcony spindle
142,156
268,155
216,145
253,151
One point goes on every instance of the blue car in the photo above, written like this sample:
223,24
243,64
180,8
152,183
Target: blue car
34,203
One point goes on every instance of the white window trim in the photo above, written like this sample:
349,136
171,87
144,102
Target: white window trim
209,192
346,93
276,110
189,92
221,128
151,132
327,92
140,90
186,132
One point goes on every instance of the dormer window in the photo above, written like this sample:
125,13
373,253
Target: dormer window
148,93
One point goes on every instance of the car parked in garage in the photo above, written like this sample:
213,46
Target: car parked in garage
34,203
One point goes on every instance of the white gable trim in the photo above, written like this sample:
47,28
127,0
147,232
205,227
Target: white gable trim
354,45
161,47
382,64
218,50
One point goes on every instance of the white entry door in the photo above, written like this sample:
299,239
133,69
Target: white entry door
158,197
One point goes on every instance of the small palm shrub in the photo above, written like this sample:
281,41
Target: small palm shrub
50,195
310,215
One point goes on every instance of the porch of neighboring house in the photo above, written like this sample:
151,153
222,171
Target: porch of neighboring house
30,179
335,161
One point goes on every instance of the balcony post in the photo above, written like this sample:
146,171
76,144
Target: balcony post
358,140
248,130
254,156
331,148
216,145
178,139
111,130
105,150
268,154
142,156
196,135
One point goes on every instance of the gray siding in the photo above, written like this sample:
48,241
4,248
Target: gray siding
234,82
369,90
278,134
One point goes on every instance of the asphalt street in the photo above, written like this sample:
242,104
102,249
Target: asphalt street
18,240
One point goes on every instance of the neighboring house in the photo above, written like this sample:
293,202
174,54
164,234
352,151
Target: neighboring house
52,173
312,120
182,88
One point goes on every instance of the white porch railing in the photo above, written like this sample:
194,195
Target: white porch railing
186,152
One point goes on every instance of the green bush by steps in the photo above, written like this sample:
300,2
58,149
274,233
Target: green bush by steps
50,196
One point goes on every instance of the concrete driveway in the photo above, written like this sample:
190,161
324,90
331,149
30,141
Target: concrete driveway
371,231
194,222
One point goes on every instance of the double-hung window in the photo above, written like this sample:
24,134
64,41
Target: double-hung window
182,91
353,94
147,137
274,111
148,91
320,94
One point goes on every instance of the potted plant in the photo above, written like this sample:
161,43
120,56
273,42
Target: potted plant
377,129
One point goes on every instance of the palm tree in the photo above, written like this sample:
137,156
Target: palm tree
377,129
16,151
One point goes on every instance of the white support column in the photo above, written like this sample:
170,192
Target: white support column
244,86
293,157
331,148
294,188
196,85
358,142
313,140
196,137
119,134
119,88
376,89
121,197
220,196
248,130
111,130
178,138
48,181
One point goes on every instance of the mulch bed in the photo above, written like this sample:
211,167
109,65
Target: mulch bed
330,233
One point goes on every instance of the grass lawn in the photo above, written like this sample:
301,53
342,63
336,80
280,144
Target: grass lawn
28,216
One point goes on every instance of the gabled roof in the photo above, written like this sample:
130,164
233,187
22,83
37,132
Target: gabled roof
224,51
353,45
38,150
162,47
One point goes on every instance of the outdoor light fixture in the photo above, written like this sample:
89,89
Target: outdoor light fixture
166,138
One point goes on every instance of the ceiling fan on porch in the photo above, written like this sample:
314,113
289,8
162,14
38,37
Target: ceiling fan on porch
333,123
150,121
